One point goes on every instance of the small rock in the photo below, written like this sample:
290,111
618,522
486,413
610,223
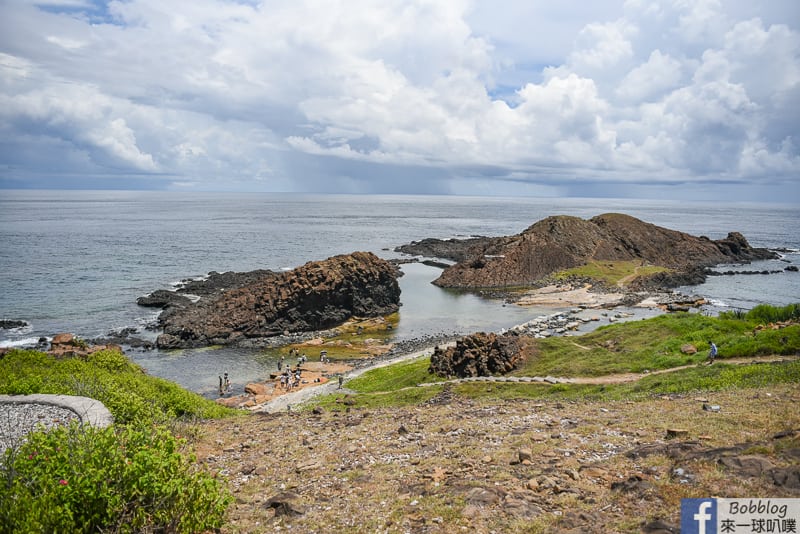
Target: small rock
285,504
660,527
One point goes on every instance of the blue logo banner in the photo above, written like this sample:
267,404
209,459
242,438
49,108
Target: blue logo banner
698,516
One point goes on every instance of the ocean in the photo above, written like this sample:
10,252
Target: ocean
76,261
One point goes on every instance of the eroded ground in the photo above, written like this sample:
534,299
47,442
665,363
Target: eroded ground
454,464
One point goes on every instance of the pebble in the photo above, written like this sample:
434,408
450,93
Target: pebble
18,419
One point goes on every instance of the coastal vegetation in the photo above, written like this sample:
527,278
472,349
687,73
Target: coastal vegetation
675,342
137,475
610,273
124,478
131,395
400,449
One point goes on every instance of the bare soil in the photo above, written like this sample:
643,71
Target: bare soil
455,464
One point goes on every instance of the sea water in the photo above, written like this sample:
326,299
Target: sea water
76,261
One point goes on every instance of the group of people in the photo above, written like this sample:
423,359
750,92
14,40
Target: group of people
291,379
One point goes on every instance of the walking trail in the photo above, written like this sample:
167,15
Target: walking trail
284,402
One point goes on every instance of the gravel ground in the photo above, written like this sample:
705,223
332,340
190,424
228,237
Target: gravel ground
17,419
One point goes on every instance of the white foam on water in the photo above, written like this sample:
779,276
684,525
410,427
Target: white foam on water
24,342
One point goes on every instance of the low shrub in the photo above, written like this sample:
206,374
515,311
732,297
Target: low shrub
131,395
117,479
766,313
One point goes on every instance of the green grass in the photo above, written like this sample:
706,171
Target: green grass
631,347
108,376
609,272
393,385
717,377
133,476
765,314
394,377
652,344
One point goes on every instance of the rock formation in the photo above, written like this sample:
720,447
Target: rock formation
563,242
314,296
480,354
8,324
66,345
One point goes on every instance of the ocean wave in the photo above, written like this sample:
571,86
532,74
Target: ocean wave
718,303
24,342
182,283
788,252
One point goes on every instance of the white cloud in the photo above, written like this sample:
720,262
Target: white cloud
609,91
652,79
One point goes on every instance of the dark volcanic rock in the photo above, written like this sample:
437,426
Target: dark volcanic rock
125,337
8,324
162,298
449,249
217,282
479,354
563,242
315,296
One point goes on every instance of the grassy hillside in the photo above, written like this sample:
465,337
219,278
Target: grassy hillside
639,347
446,457
127,391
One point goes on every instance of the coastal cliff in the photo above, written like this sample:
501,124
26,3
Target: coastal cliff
315,296
564,242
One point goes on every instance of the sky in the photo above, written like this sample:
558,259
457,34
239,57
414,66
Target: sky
684,99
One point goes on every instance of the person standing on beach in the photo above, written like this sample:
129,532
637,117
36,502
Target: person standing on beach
221,391
341,381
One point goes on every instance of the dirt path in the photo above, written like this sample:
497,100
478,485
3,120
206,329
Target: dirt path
284,402
624,281
633,377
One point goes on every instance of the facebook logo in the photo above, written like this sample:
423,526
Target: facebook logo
698,516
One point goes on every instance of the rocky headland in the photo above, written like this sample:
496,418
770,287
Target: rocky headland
563,242
231,308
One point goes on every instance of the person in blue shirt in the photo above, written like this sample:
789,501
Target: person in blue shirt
712,353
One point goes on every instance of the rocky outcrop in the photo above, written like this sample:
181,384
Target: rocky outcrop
563,242
448,249
315,296
479,354
163,298
8,324
66,345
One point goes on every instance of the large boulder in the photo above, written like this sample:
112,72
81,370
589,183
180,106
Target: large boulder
315,296
480,354
563,242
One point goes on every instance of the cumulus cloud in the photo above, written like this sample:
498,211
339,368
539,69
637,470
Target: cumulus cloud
279,95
